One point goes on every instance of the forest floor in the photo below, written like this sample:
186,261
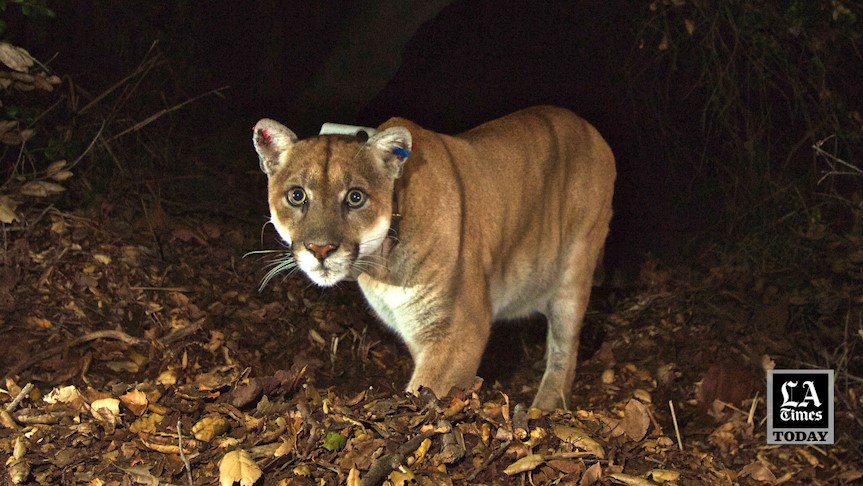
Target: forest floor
155,359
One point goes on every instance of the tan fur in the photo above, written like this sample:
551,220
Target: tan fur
500,222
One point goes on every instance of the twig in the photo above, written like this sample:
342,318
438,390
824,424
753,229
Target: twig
183,455
89,147
160,289
159,114
119,83
107,334
749,419
488,460
676,428
390,462
23,393
834,161
182,332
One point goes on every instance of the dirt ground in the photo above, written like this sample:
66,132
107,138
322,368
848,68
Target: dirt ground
155,359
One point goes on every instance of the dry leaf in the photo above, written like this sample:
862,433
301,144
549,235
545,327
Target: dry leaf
285,448
66,394
354,477
146,424
55,167
399,478
62,175
38,322
167,378
123,366
107,412
642,395
420,452
690,26
631,480
40,82
15,58
6,420
607,376
7,125
758,472
238,465
526,463
729,382
209,427
591,476
141,475
19,449
579,438
41,188
112,405
19,471
136,401
102,258
17,137
664,475
7,213
636,420
566,466
809,457
24,86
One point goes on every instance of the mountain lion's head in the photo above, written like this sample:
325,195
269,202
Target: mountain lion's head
331,196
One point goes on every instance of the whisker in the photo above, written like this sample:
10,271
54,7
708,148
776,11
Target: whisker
264,227
363,267
285,264
262,252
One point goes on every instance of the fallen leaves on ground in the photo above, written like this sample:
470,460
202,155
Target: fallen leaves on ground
153,359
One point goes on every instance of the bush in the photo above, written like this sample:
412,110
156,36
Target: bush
744,90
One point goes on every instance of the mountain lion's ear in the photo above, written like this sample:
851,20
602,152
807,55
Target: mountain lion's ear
271,139
392,146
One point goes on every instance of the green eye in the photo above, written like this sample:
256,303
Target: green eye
296,196
355,198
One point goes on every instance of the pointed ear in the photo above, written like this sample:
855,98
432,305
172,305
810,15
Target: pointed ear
392,146
271,139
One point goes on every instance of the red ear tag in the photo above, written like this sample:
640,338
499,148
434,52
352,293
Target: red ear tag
266,136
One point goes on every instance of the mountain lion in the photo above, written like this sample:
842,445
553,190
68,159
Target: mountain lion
446,234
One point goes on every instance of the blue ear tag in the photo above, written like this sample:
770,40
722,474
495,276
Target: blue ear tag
403,153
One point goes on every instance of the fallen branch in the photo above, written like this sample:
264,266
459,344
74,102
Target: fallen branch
488,460
23,393
182,332
390,462
106,334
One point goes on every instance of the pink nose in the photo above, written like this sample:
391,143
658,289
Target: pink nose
321,251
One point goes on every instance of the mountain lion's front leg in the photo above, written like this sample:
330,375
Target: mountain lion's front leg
448,354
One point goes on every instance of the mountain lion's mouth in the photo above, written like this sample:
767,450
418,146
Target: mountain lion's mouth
325,273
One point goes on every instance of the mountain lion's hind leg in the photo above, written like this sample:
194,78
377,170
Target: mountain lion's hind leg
565,319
